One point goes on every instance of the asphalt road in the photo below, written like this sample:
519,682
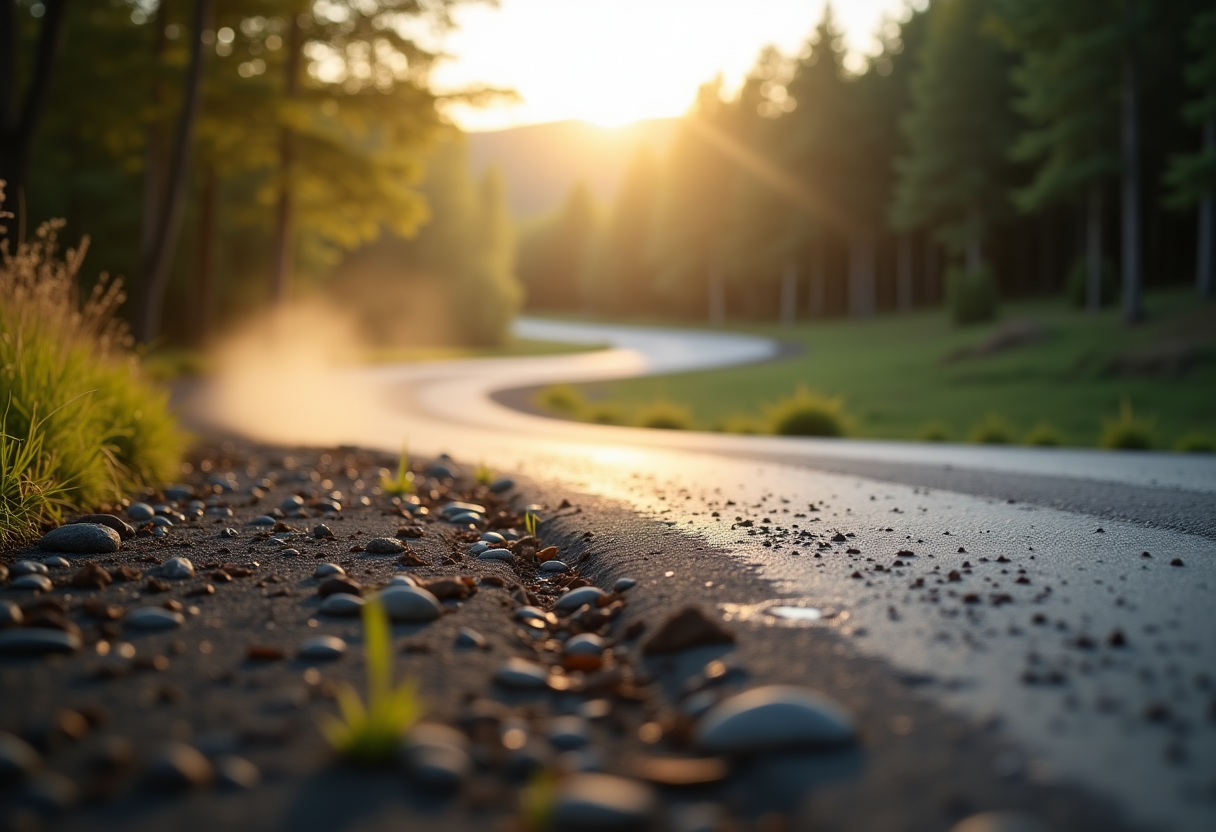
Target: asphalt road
1040,598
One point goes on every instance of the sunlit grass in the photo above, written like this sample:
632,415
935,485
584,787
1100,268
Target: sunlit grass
807,414
29,494
1128,431
402,483
531,523
371,733
483,473
991,430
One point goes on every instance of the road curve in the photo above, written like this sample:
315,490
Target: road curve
1087,536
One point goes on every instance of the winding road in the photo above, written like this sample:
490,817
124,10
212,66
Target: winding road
1088,538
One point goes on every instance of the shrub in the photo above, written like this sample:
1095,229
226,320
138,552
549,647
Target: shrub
28,493
1128,432
807,414
971,297
935,431
1043,435
991,430
1196,442
563,399
605,414
70,384
744,425
665,415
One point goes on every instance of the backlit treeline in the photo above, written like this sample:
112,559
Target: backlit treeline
992,148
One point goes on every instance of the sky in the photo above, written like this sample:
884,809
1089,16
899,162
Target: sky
611,62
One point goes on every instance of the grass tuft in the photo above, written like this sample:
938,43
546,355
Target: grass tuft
484,474
403,482
807,414
991,430
1196,442
563,399
1128,432
934,431
664,415
29,494
1043,435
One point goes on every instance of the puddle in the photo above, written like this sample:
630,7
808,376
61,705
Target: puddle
782,610
796,613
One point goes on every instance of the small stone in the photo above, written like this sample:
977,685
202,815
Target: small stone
343,584
522,674
50,793
501,485
178,766
584,644
229,533
575,598
774,717
478,547
623,584
503,555
322,532
174,569
161,522
28,567
410,603
323,648
324,570
10,614
290,553
688,628
140,512
219,511
1000,822
402,580
602,802
554,567
18,759
125,530
456,508
154,618
383,546
435,756
37,583
470,638
91,576
178,493
493,537
34,641
55,562
291,503
233,772
565,733
263,520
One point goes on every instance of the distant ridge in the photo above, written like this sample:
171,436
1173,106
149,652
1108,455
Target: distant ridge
541,162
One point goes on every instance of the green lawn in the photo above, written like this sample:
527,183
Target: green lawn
896,375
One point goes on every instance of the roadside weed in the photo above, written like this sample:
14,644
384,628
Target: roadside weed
484,474
403,482
1196,442
807,414
29,494
1129,432
531,523
536,801
1043,435
991,430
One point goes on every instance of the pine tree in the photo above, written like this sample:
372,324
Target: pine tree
621,277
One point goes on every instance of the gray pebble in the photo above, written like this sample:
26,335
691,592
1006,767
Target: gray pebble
554,567
575,598
28,567
470,638
55,562
493,537
125,530
161,522
523,674
10,614
602,801
584,644
501,485
174,569
773,717
17,758
232,772
503,555
140,512
218,511
623,584
154,618
341,603
290,553
410,603
565,733
435,756
402,579
322,532
322,647
291,503
383,546
229,533
324,570
178,766
178,493
478,547
530,613
37,583
263,520
466,519
33,641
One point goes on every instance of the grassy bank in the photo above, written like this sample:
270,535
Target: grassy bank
1043,374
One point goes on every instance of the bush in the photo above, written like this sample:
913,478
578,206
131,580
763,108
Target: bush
606,414
935,431
992,430
806,414
744,425
76,406
1043,435
1076,284
665,415
1128,432
971,297
1196,442
563,399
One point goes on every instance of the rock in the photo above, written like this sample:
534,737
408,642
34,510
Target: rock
554,567
535,616
322,648
623,584
219,511
49,793
410,603
34,641
688,628
478,547
140,512
383,546
493,537
18,759
566,733
470,638
290,553
178,493
154,618
28,567
178,766
91,576
402,580
522,674
233,772
291,503
584,644
343,584
455,508
322,532
10,614
774,717
161,522
1000,822
125,530
503,555
602,802
465,519
435,756
324,570
37,583
229,533
575,598
263,520
342,603
174,569
501,485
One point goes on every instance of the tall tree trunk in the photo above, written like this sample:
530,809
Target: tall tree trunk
789,293
1093,250
284,236
1133,310
156,268
18,122
717,293
205,262
863,273
154,149
818,288
904,273
1205,267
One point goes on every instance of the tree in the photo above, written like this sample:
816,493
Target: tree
621,276
555,253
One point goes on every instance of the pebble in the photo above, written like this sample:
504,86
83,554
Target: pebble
623,584
229,533
263,520
10,614
566,733
332,586
29,641
38,583
454,508
773,717
435,756
291,503
322,531
50,793
470,638
174,569
503,555
55,562
478,547
17,758
999,822
233,772
410,603
322,648
523,674
493,537
161,522
324,570
554,567
341,603
575,598
601,801
178,493
219,511
383,546
154,618
584,644
179,766
467,518
125,530
530,613
290,553
140,512
28,567
501,485
402,580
